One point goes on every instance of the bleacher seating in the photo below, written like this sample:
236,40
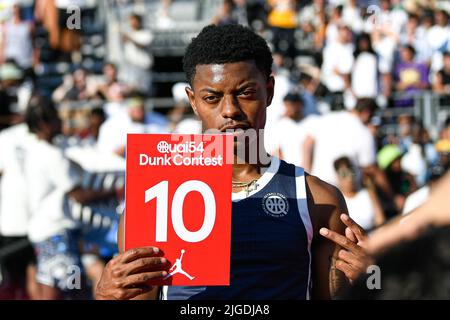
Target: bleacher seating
51,70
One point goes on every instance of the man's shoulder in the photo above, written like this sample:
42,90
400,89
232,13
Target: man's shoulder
325,201
322,192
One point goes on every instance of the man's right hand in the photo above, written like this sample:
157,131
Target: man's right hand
127,275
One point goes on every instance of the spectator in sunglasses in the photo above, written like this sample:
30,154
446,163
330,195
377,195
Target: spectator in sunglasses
362,203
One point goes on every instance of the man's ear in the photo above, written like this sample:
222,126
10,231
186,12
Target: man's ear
270,90
191,97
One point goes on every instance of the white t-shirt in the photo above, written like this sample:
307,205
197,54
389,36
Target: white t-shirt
339,134
113,132
360,209
416,199
364,76
18,44
276,109
385,49
336,56
93,160
275,112
49,177
352,18
437,36
331,33
291,135
14,212
136,55
188,126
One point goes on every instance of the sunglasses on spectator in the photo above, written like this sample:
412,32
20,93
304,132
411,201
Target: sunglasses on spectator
346,173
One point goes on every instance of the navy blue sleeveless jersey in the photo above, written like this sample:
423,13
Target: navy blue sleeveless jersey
271,238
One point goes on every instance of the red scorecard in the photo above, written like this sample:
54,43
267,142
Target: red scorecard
178,198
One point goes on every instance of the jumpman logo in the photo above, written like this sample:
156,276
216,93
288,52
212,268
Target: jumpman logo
176,268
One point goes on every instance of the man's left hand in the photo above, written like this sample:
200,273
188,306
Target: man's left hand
353,259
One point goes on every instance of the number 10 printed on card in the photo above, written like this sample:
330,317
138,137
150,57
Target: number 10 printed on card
178,198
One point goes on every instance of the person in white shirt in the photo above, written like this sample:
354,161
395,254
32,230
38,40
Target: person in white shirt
336,21
16,40
364,76
182,119
337,66
292,129
14,142
310,13
344,133
50,180
438,37
276,110
16,268
352,16
363,204
137,57
415,36
113,132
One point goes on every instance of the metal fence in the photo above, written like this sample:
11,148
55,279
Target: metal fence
431,108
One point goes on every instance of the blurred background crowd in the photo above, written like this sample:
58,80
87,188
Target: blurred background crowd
362,100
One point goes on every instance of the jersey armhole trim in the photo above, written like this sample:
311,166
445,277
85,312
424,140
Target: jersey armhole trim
302,203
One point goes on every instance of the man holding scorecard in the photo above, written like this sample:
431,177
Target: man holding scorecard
291,237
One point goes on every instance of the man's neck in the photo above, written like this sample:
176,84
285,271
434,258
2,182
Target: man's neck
245,171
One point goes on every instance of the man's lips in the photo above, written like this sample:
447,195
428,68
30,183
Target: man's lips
235,128
236,131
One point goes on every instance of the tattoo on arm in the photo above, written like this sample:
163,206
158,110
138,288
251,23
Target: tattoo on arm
338,280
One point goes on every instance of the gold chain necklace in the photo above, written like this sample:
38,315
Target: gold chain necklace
246,185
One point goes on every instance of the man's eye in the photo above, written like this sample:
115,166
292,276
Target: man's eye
247,93
210,99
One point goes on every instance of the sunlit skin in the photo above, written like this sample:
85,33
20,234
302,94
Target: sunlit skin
239,101
235,99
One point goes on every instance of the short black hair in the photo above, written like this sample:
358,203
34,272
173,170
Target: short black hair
410,48
98,112
343,162
39,110
226,44
368,104
137,16
293,97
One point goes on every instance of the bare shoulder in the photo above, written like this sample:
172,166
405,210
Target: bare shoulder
325,202
322,192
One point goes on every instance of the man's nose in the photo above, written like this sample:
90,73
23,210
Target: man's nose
230,107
